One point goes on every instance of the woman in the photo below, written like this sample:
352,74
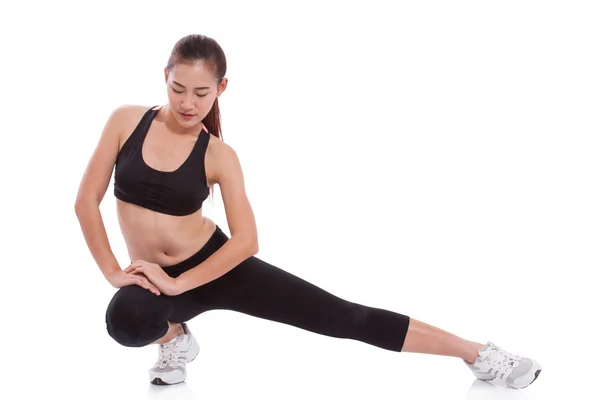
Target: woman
167,160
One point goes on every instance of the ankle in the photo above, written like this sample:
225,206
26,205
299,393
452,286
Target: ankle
472,352
175,329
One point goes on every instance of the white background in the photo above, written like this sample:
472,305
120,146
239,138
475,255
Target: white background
434,158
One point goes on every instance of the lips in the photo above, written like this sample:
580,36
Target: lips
187,116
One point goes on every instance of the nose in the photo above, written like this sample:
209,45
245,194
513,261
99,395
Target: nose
188,102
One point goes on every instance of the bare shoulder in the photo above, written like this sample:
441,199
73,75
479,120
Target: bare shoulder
126,112
100,166
128,116
133,109
221,160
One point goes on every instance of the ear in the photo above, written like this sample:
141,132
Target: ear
222,86
166,75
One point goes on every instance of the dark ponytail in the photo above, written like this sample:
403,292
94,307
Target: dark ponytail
213,120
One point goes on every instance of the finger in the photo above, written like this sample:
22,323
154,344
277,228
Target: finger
144,283
140,282
142,277
136,269
154,289
151,286
148,285
131,266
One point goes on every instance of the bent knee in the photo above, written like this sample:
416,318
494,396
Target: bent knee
133,319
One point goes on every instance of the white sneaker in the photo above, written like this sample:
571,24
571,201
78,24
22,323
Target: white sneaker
493,362
172,357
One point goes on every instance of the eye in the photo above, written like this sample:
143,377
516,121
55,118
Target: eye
201,95
176,91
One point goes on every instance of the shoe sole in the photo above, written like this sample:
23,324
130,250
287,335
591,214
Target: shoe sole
531,376
535,376
537,373
160,382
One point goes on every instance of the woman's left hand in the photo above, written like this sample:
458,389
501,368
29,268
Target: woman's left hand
156,275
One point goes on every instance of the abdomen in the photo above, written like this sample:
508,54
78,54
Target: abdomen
161,238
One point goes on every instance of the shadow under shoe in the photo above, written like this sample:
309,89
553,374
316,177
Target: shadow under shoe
484,390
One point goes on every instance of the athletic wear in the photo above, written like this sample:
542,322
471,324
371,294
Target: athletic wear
172,357
180,192
493,362
136,317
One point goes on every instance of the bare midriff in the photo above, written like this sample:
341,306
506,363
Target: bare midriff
160,238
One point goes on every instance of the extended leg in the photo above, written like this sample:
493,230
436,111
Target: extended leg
262,290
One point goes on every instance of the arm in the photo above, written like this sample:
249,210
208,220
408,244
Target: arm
92,190
243,242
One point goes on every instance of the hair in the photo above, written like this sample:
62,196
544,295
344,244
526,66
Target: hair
196,48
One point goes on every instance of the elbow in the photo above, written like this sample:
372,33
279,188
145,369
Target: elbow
78,208
252,245
247,241
82,206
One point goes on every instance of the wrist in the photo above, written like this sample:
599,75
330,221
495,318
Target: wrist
178,286
111,271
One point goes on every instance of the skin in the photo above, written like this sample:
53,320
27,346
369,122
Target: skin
159,238
155,239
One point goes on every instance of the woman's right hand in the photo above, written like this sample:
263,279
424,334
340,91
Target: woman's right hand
121,278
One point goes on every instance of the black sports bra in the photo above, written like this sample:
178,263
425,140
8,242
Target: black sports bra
179,192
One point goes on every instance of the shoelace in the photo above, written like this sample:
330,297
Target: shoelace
167,354
501,360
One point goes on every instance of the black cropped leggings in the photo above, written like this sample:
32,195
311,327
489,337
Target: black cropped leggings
136,317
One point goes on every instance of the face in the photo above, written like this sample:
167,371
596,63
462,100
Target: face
192,90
